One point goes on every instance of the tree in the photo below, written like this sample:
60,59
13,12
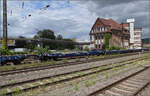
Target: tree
31,45
107,38
46,33
86,48
21,43
59,37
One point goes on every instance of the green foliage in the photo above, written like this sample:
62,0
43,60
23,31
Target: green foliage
107,38
31,45
5,51
115,48
4,44
46,33
87,83
42,50
76,49
3,92
86,48
106,76
49,34
76,88
59,37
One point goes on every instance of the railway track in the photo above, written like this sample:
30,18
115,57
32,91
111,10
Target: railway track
11,72
10,89
131,85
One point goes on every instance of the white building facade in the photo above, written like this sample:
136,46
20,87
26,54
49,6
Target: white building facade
135,35
137,38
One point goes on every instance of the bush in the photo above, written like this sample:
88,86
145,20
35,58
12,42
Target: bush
107,38
86,48
7,52
115,48
4,51
42,50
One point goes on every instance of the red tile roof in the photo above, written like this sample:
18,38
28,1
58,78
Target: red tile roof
110,22
125,25
138,29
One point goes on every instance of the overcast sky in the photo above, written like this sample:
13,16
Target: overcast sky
74,18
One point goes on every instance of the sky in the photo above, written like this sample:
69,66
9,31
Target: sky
73,18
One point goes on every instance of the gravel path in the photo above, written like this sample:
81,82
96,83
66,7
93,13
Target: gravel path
42,73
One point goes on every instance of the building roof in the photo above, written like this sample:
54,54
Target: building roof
138,29
124,25
110,22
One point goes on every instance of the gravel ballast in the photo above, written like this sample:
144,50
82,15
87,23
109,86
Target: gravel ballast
84,91
48,72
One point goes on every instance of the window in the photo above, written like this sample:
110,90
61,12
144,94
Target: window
102,28
99,46
96,45
102,37
105,28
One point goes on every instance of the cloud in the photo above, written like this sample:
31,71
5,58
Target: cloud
120,10
73,19
70,20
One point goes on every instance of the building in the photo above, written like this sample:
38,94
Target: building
121,35
146,42
137,38
135,35
82,45
10,42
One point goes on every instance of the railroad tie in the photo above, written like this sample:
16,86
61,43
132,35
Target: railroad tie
122,90
127,87
8,90
129,84
41,83
20,87
135,83
110,93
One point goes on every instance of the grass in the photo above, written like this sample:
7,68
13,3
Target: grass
76,88
80,73
87,83
70,83
52,79
106,76
18,92
102,67
13,67
12,82
3,92
77,60
65,61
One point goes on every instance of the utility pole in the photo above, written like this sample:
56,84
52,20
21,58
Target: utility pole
4,24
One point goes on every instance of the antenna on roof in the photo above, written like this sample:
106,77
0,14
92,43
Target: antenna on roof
11,13
22,5
68,1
